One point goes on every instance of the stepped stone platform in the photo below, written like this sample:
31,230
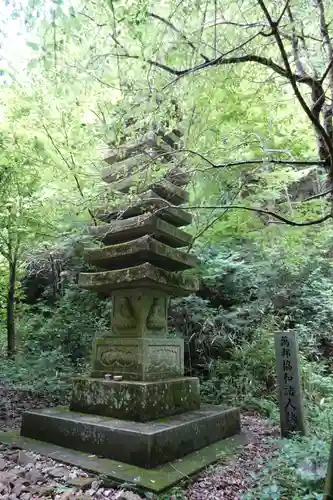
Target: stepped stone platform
146,445
136,406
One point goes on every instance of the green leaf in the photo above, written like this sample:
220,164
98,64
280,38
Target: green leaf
32,64
33,45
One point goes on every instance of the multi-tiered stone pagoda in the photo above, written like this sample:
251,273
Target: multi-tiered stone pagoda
137,406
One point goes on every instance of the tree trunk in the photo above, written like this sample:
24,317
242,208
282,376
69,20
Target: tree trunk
11,337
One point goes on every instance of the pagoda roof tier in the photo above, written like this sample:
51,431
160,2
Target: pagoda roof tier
122,230
139,277
142,182
140,251
122,169
150,202
151,144
170,192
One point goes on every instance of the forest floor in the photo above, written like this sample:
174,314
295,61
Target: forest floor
27,476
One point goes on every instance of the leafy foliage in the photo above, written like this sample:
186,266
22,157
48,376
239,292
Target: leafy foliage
84,74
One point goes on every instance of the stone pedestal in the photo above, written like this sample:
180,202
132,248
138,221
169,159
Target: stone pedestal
136,401
139,358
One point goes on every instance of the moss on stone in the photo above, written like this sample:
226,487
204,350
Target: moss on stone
156,480
145,275
138,401
120,231
139,251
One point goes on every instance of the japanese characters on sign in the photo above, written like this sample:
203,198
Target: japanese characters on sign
288,377
291,408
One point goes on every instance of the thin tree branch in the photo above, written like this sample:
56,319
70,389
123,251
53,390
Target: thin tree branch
319,195
288,222
295,43
286,6
174,28
223,61
92,19
70,167
291,77
327,70
254,161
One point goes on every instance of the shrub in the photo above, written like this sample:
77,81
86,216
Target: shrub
69,327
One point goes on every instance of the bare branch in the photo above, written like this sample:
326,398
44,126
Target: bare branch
327,70
314,118
255,161
286,6
70,167
319,195
174,28
279,217
295,43
91,19
223,61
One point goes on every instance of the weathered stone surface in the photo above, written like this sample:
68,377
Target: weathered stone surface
151,144
146,359
143,182
149,203
170,192
139,251
123,169
289,382
144,444
144,276
120,231
137,182
139,313
156,480
178,176
173,138
137,401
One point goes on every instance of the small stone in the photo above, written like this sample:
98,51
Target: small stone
81,482
34,476
107,493
2,464
13,455
95,485
68,494
19,487
24,459
18,470
127,495
42,491
8,478
25,496
58,472
2,488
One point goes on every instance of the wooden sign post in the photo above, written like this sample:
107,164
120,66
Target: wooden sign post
328,493
289,384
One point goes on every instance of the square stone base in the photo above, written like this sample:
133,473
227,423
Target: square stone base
146,445
138,358
138,401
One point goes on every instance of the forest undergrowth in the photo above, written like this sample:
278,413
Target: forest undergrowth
245,297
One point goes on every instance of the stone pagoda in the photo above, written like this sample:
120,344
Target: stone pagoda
137,406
